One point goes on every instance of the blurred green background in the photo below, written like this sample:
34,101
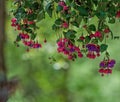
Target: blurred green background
63,80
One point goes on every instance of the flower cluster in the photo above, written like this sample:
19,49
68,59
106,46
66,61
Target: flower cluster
66,47
106,66
70,15
93,51
32,44
15,24
25,37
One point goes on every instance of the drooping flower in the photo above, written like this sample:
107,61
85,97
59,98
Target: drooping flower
65,25
118,14
98,34
62,3
106,66
93,50
106,30
67,48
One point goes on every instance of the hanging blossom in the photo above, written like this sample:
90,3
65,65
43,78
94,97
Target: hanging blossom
67,48
93,50
106,66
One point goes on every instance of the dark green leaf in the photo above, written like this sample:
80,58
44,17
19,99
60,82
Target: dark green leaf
54,27
58,21
75,24
82,11
18,38
87,39
103,47
33,36
59,8
92,27
70,34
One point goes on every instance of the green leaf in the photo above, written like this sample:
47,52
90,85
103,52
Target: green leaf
82,11
75,24
73,13
101,15
59,8
35,6
111,20
32,17
49,8
54,27
70,34
69,1
56,1
87,39
95,41
41,15
92,27
103,47
29,30
18,38
33,36
58,21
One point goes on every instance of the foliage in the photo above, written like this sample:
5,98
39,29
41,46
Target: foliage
70,15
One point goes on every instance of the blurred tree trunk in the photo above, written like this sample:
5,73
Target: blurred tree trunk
3,79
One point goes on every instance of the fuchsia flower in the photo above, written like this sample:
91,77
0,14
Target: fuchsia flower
82,38
62,3
65,25
24,36
106,30
66,47
65,8
13,20
93,51
118,14
106,66
31,22
98,34
92,35
32,44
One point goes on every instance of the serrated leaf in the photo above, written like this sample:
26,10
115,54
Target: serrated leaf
103,47
49,8
41,15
